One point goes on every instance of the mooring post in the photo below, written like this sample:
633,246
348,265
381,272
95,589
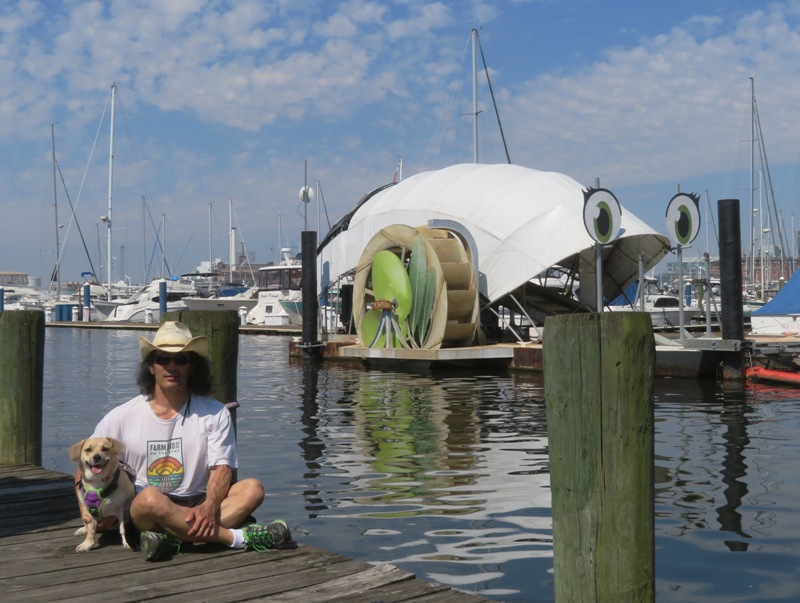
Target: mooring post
598,375
310,341
730,285
222,329
21,387
162,297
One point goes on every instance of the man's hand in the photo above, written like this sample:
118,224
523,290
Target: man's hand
202,520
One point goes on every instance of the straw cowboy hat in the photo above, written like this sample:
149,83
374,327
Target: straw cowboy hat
174,337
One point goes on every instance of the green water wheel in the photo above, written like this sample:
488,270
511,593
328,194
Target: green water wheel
423,279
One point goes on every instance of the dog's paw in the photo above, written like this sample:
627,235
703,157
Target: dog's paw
80,531
85,547
126,545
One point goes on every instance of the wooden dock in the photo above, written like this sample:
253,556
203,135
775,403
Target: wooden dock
38,562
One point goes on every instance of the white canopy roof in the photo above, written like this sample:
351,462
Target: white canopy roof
521,220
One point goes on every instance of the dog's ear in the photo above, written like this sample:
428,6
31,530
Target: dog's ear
116,445
75,451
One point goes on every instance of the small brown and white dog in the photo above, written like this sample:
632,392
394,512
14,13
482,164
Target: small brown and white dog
104,490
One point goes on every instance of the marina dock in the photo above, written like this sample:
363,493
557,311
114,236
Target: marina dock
698,357
38,562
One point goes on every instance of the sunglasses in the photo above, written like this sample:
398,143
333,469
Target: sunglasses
165,359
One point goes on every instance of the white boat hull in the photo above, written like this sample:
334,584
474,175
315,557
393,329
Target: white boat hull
143,313
145,305
663,318
781,325
219,303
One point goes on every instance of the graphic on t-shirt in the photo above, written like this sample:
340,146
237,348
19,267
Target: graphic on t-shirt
165,464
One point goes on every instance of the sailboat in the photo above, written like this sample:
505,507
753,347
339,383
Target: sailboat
16,290
762,281
227,295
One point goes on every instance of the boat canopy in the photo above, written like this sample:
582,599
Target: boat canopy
519,221
786,300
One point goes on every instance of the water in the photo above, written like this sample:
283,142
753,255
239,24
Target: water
446,474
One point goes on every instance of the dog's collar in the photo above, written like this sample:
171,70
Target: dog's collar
95,498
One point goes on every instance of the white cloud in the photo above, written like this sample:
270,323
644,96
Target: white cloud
229,98
668,108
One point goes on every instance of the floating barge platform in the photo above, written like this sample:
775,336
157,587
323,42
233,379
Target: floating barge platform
693,358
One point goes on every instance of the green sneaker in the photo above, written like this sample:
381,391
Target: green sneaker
156,545
260,537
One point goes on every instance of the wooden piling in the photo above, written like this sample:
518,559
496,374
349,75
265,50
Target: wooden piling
222,329
21,383
598,371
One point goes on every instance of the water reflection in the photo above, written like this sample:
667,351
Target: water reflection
719,450
734,472
434,447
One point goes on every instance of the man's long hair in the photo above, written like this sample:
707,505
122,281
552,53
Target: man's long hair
199,382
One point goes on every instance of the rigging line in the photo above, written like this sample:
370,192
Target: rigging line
455,90
183,253
713,223
733,182
153,254
770,189
92,151
132,146
75,218
494,102
325,207
244,245
157,245
83,179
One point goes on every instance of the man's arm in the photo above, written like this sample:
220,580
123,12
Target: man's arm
203,519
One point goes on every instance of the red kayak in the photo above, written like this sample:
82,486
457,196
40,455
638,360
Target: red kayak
757,373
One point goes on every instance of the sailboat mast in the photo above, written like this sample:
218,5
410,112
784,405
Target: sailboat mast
752,167
210,248
232,242
55,212
761,239
144,244
110,187
165,271
475,95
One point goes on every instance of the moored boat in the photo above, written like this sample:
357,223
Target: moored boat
781,315
145,304
245,299
664,308
278,283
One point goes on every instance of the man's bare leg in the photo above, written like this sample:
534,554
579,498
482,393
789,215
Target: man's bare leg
153,511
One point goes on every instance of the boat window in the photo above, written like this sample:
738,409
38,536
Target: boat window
666,302
295,278
172,296
280,279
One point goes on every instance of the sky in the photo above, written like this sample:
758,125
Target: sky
225,108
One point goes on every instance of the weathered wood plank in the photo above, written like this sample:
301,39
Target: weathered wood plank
397,592
348,586
38,562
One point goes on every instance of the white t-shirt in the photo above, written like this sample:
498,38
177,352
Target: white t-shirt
173,455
